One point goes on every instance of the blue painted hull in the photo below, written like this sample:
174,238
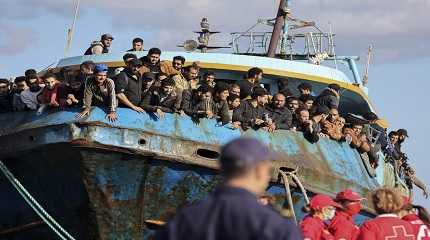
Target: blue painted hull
103,181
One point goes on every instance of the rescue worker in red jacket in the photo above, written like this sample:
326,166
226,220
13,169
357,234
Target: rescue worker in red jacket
342,226
387,225
321,208
418,217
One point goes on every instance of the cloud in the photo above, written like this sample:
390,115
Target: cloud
14,40
397,29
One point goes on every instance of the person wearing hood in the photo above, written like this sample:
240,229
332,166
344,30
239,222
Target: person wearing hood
321,208
342,226
329,97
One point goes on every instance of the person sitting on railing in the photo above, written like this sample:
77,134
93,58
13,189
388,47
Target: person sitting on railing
152,60
308,101
128,86
233,103
281,116
100,91
253,76
304,124
331,126
283,87
220,105
209,79
162,100
305,90
5,96
252,113
20,86
29,96
50,97
137,45
106,42
329,97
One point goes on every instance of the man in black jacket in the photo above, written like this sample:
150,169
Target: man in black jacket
161,100
232,211
306,125
253,76
128,86
329,97
106,41
252,113
281,116
5,96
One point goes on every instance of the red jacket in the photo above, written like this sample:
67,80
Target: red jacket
386,227
313,228
421,230
342,227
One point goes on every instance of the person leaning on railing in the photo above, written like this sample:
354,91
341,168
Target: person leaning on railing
100,91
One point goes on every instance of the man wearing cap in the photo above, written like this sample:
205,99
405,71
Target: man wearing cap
100,91
232,211
106,41
329,97
342,226
128,86
321,208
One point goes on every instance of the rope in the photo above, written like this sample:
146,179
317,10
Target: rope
296,179
63,234
288,195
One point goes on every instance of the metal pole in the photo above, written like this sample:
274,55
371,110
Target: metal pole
277,29
72,29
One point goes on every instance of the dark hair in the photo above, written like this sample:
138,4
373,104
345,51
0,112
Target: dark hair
307,98
204,88
138,40
370,116
209,73
304,86
321,109
30,72
194,66
232,97
254,72
282,83
423,214
87,65
168,82
290,99
258,92
180,58
4,80
300,109
19,79
393,133
49,75
154,51
129,55
334,86
221,87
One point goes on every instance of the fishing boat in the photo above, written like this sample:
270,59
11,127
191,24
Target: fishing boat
103,180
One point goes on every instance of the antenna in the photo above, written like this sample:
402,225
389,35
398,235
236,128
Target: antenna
366,71
72,29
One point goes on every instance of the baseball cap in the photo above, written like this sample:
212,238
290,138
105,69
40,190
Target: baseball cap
403,132
348,195
320,201
244,152
100,68
107,36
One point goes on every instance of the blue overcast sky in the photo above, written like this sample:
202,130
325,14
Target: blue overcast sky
33,35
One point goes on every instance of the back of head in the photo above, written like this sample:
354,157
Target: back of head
387,200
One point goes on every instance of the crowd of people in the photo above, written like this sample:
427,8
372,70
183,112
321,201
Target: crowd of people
157,87
240,209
